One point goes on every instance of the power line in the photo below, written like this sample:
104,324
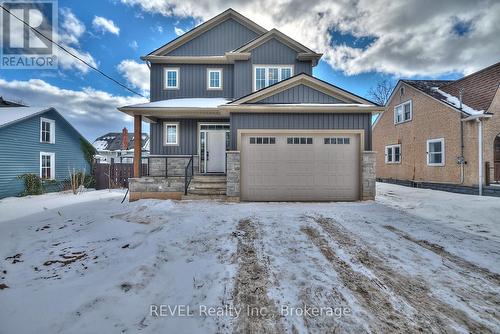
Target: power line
73,55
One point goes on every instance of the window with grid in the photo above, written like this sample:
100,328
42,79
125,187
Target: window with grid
47,128
47,165
214,78
269,75
403,112
393,154
299,140
172,78
171,133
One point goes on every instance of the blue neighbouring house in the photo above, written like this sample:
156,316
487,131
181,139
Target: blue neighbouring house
39,141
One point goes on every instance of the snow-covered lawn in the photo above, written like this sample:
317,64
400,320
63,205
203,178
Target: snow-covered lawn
413,260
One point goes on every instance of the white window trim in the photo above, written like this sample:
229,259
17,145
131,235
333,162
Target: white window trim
219,70
52,164
165,77
443,152
393,155
165,138
52,130
267,67
402,105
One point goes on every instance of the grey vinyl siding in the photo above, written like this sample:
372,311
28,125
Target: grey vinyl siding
313,121
188,140
301,94
273,52
226,36
192,83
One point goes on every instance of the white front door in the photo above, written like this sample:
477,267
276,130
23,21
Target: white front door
216,151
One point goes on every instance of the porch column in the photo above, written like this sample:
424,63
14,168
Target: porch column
137,145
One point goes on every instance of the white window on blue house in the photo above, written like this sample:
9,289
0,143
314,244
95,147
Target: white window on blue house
214,78
171,78
47,165
171,134
47,130
266,75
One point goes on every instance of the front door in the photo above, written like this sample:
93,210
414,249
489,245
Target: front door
216,151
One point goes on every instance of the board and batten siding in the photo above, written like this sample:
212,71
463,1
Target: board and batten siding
188,136
301,121
192,83
300,94
273,52
20,149
227,36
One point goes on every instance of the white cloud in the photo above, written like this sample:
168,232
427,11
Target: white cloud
90,111
414,38
70,32
137,74
133,45
178,31
105,25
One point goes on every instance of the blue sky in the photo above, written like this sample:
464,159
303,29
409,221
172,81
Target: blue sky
355,58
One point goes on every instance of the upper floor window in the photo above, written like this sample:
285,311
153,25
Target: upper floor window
435,152
171,134
214,78
47,131
171,78
403,112
393,154
266,75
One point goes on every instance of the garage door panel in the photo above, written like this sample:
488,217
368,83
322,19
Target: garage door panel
300,172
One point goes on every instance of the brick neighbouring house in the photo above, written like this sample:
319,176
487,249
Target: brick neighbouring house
422,145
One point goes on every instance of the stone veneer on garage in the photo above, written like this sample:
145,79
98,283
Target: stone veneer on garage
233,175
368,175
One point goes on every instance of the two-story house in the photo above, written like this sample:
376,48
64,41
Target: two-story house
232,99
442,134
37,140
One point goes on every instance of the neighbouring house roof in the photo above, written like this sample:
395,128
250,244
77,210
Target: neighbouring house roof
205,26
478,90
6,103
112,141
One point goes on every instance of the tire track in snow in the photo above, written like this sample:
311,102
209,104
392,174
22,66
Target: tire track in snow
431,313
250,289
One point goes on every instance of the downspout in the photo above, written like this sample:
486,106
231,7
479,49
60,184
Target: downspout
461,159
480,150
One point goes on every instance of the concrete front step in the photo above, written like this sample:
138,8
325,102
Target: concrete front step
214,185
204,197
214,191
209,179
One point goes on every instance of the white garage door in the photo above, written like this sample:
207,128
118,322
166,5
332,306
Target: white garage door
300,166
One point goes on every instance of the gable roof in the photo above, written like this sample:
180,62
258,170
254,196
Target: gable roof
112,141
304,53
205,26
12,115
307,80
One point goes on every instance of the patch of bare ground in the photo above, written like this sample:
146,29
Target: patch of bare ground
259,313
67,259
430,313
439,250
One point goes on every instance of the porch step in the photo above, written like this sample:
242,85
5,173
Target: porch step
194,197
209,179
207,185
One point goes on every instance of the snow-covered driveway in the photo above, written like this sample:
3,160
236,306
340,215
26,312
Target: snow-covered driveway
383,266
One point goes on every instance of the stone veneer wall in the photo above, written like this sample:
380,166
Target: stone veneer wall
176,165
368,175
233,175
156,187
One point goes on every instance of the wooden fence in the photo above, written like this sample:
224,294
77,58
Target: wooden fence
114,175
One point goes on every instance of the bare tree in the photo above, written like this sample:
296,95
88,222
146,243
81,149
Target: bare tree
381,91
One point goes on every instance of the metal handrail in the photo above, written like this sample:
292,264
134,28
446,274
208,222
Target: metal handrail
187,181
